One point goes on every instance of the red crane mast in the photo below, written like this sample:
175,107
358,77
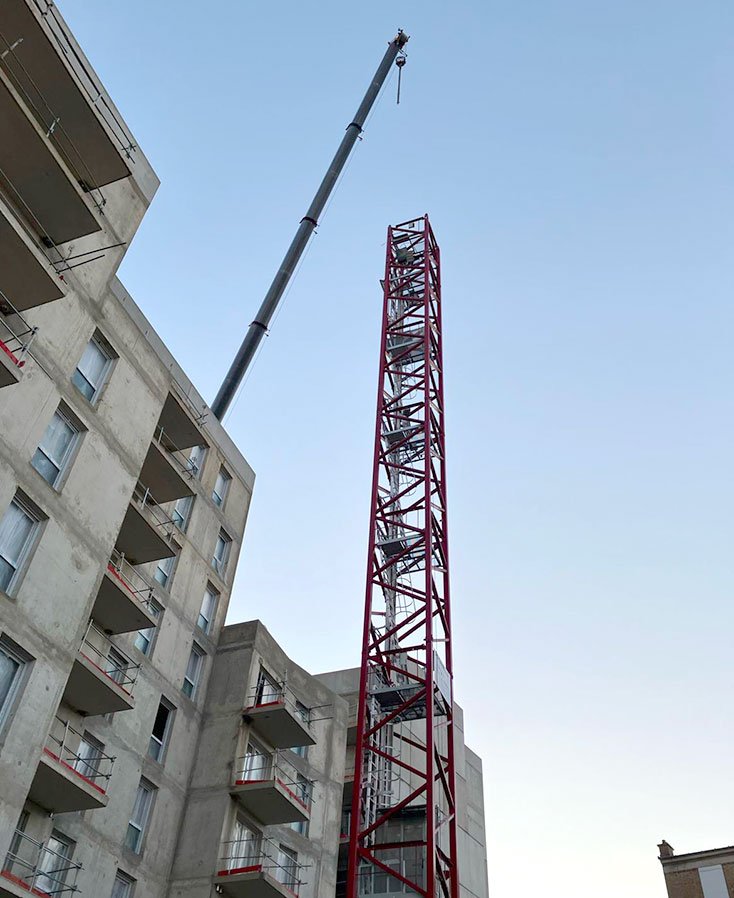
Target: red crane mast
403,821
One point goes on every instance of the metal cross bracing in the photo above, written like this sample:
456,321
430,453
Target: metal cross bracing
403,826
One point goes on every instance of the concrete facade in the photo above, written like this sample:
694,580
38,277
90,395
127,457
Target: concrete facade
699,874
145,748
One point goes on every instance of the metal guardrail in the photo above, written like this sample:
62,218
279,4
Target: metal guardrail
262,854
96,647
131,579
259,769
280,694
15,339
37,868
176,455
143,496
95,768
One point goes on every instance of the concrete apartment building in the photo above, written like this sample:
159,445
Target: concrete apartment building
146,749
699,874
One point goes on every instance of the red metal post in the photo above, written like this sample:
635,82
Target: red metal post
403,824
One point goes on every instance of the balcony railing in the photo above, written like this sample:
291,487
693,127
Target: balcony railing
267,694
262,769
35,867
109,659
261,856
64,744
15,338
143,497
178,457
132,580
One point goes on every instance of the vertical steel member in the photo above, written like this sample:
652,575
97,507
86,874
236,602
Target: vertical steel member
259,327
403,822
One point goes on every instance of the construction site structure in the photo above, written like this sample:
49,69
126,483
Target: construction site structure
404,803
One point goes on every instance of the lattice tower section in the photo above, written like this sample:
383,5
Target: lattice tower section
403,823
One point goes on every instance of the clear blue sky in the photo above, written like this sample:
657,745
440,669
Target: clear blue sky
575,158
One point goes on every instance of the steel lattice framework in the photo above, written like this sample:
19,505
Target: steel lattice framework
403,826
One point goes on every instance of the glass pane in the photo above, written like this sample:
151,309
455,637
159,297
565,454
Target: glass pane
141,806
45,467
93,363
15,530
89,754
133,837
267,689
6,573
9,668
122,887
57,439
143,640
82,384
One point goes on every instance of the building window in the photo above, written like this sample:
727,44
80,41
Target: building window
300,827
713,883
139,817
144,638
162,726
164,571
193,671
268,689
257,763
123,886
286,869
244,849
182,512
221,553
12,664
208,609
53,864
117,665
196,460
303,712
18,528
221,487
91,372
88,756
299,750
56,447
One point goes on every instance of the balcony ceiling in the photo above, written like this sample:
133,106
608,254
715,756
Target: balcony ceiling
38,68
31,165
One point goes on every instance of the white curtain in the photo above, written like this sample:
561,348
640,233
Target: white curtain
93,363
57,439
8,669
244,847
15,530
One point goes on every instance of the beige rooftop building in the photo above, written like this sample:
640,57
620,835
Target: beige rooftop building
146,749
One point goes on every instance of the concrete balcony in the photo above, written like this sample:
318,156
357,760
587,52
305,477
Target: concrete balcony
27,278
123,601
102,677
257,871
271,791
146,529
49,71
32,868
36,178
166,470
66,780
280,719
177,421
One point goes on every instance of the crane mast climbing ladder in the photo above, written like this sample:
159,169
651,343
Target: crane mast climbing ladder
403,826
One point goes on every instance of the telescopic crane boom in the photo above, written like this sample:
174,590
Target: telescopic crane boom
259,327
